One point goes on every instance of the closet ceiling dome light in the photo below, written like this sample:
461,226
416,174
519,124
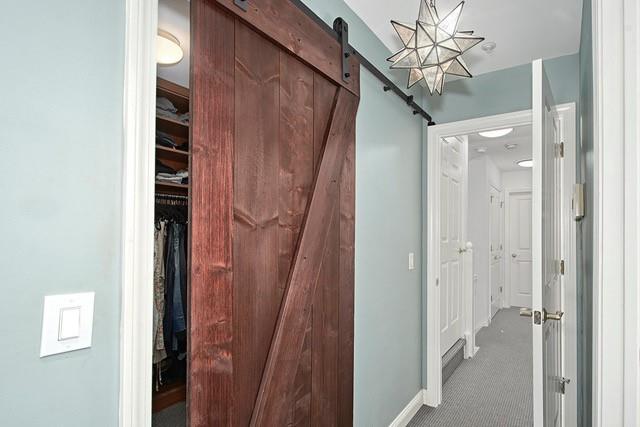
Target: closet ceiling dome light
433,47
481,150
496,133
527,163
169,50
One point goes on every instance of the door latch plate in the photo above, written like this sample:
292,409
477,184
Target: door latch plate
537,317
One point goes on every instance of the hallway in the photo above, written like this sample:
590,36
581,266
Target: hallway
495,387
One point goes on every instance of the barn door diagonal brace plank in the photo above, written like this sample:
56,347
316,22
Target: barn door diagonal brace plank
279,374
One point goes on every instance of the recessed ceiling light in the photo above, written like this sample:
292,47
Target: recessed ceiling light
488,47
481,150
510,146
528,163
496,133
169,50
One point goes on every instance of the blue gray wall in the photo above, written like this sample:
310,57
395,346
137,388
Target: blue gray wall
503,91
60,157
389,143
585,227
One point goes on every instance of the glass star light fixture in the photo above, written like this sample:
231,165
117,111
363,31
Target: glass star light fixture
433,47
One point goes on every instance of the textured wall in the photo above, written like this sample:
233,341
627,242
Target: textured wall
502,91
60,156
388,227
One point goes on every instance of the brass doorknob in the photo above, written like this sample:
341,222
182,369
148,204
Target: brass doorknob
526,312
553,316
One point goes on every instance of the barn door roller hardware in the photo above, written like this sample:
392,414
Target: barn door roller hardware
340,33
342,28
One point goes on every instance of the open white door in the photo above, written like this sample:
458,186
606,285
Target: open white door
546,286
453,199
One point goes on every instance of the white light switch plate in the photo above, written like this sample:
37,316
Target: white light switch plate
67,323
412,261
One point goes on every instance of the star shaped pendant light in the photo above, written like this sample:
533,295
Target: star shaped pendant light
433,47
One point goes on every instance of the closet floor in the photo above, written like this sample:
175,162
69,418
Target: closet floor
173,416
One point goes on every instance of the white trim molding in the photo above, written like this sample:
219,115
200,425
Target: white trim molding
137,219
569,248
409,411
616,24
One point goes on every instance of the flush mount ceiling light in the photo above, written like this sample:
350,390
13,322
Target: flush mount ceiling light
528,163
433,47
481,150
510,146
169,50
496,133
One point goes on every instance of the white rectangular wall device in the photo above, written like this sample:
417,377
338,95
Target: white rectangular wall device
67,323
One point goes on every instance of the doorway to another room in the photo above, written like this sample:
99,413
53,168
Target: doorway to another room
482,212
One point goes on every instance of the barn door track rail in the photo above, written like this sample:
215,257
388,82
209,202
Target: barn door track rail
340,32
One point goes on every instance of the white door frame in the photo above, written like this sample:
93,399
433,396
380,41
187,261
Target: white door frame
137,213
507,240
616,331
431,348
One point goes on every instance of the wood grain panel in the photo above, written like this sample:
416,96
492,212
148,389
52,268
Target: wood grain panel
211,334
284,355
291,28
257,289
346,283
296,179
325,304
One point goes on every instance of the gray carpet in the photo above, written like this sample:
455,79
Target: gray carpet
173,416
495,387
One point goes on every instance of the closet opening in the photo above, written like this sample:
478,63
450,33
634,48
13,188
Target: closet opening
171,217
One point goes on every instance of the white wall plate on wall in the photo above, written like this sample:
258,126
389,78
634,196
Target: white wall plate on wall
67,323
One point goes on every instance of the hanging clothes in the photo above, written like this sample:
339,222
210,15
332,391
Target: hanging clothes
175,323
160,235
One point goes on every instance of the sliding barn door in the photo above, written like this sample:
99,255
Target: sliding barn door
272,220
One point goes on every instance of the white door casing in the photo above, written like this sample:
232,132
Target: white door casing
495,250
452,239
546,287
519,248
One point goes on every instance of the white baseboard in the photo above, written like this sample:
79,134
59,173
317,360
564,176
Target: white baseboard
409,411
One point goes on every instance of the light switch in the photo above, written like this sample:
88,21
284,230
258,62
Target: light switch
412,261
67,323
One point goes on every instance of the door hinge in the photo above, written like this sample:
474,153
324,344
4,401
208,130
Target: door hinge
562,267
562,149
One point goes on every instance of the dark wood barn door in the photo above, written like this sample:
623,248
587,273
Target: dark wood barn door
272,220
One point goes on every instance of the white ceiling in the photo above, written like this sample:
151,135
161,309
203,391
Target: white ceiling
173,16
504,159
523,30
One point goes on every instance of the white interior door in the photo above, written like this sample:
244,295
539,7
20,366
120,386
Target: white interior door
495,264
452,238
546,296
520,258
